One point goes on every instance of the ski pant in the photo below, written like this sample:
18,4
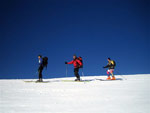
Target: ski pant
40,72
110,71
76,73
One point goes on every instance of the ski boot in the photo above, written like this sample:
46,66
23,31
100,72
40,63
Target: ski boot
40,80
113,78
108,78
78,79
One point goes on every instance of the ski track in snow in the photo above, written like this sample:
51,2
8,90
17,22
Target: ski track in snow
130,95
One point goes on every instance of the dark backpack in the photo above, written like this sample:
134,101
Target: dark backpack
45,61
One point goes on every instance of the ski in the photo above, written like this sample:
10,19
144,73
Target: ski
75,81
117,79
37,82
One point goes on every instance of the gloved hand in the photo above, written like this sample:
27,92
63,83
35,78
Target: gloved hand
66,62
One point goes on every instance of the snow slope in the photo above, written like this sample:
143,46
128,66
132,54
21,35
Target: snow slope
129,94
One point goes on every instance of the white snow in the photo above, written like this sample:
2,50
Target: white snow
130,94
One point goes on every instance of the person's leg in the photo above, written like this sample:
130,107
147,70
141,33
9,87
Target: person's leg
112,73
76,73
40,73
108,73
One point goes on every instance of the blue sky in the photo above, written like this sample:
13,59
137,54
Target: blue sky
93,29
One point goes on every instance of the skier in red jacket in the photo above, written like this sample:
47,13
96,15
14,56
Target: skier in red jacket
77,64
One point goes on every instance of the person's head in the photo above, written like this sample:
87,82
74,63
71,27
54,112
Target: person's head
39,56
108,59
74,56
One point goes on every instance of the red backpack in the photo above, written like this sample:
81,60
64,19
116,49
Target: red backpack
80,59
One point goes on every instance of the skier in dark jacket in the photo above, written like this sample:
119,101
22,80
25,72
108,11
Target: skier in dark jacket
111,66
40,69
77,64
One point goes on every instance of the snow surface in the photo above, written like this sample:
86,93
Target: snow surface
129,94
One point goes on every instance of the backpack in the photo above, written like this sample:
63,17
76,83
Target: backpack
80,58
45,61
113,63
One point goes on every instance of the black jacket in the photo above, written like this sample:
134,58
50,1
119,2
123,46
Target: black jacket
110,65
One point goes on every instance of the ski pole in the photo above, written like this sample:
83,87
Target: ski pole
120,74
66,70
35,76
82,73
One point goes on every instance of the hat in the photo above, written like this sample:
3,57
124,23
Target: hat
108,58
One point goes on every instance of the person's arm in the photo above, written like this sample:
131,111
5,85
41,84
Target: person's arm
70,62
40,61
106,66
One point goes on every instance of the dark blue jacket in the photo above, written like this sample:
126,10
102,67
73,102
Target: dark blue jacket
40,62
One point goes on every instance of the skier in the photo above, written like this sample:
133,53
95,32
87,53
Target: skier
40,69
77,64
111,66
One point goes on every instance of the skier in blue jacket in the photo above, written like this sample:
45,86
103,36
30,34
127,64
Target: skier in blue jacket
40,69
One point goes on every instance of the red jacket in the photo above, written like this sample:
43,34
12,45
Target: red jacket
77,63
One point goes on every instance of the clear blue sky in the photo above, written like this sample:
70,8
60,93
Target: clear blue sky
93,29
